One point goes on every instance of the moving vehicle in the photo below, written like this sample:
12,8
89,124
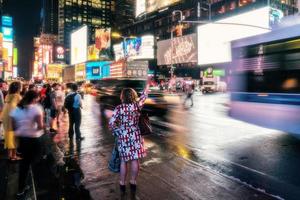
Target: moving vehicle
210,85
265,80
109,90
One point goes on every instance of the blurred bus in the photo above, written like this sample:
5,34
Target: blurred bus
265,81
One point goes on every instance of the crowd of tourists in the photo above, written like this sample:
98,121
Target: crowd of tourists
30,117
31,112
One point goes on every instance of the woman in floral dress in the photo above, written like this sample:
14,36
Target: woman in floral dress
124,124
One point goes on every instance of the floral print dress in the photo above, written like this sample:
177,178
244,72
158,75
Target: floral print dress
124,124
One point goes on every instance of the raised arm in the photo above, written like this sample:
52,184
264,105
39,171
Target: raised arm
144,96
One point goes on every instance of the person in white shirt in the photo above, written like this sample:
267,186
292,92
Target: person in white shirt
28,126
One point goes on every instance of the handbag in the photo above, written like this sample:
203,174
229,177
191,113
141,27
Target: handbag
144,124
115,161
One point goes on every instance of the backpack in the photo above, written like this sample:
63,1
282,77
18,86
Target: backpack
69,101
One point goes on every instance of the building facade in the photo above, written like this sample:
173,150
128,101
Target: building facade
49,17
125,13
72,14
160,22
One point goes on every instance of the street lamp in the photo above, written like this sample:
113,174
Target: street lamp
172,36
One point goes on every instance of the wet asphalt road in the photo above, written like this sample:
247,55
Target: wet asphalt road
203,155
265,159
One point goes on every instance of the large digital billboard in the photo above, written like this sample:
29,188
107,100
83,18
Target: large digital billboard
148,6
54,71
214,39
97,70
139,48
79,45
103,42
184,50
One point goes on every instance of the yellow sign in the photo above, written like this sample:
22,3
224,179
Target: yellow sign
93,53
54,71
80,72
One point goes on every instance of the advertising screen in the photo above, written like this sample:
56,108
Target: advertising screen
136,48
8,34
15,57
79,45
184,50
15,72
214,40
7,21
117,69
9,47
103,42
97,70
148,6
93,53
59,53
140,7
54,71
80,72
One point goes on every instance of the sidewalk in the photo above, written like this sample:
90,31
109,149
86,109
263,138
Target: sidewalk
166,173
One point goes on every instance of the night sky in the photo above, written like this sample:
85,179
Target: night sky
26,14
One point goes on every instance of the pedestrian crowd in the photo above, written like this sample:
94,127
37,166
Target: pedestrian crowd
30,116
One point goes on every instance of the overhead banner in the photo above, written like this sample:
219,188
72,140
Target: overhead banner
103,42
184,50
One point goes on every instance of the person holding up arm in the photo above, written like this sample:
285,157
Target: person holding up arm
125,125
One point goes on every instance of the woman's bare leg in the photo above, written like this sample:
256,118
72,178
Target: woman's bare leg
123,172
135,166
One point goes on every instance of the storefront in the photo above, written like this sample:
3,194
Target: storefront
97,70
69,74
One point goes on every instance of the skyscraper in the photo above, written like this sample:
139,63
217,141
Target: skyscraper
49,17
125,13
72,14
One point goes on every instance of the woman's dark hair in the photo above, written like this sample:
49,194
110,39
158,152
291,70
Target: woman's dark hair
28,98
128,95
14,87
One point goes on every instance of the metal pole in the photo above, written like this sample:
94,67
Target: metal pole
209,7
172,72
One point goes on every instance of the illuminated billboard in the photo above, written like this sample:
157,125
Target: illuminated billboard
214,40
8,34
97,70
93,53
7,21
80,72
184,50
135,49
148,6
59,53
15,57
79,45
103,42
54,71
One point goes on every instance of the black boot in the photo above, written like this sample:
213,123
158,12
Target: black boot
122,189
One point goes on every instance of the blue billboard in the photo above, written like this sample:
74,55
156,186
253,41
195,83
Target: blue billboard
8,34
7,21
97,70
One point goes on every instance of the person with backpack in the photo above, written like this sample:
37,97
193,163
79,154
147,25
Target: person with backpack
73,104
